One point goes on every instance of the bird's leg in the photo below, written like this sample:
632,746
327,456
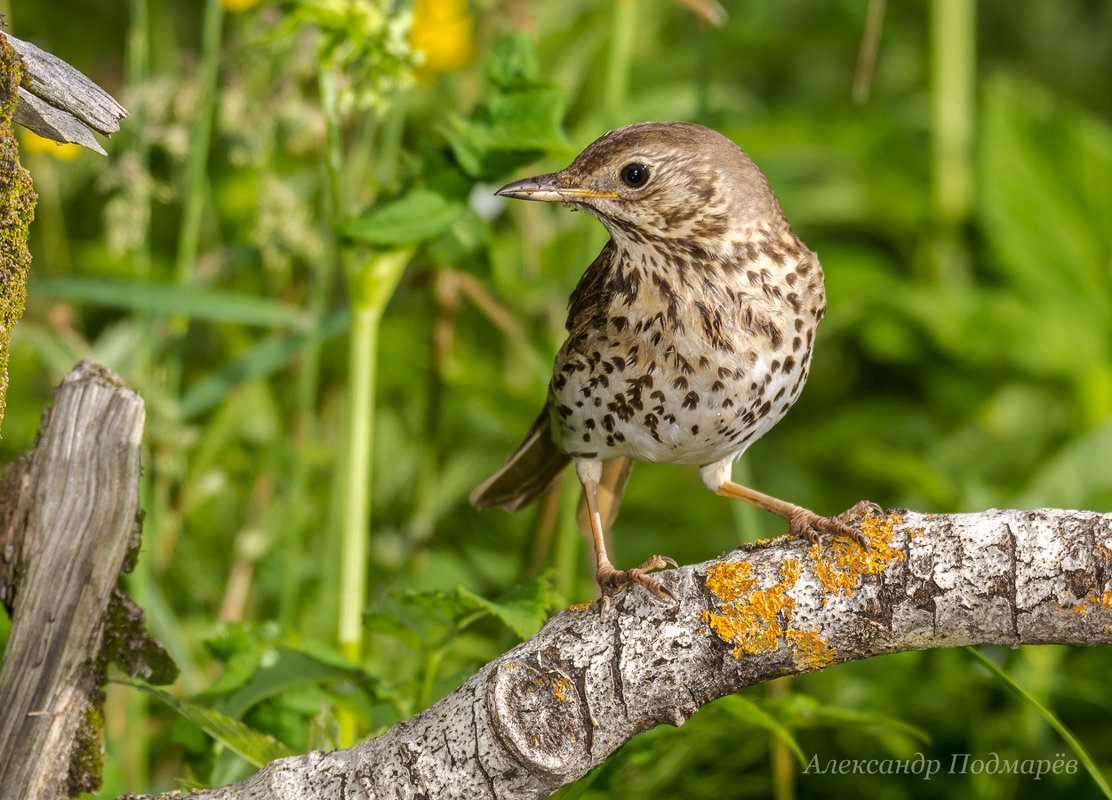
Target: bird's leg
801,521
610,579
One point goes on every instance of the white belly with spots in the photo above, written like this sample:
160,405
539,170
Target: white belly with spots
660,414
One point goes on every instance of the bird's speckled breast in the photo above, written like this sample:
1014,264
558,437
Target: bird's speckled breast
687,360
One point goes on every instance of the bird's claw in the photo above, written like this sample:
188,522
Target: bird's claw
610,580
809,525
858,511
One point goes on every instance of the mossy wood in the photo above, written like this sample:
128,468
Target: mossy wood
17,209
69,524
559,704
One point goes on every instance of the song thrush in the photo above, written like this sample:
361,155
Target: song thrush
688,337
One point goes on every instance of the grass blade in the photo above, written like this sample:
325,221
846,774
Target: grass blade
168,299
1051,718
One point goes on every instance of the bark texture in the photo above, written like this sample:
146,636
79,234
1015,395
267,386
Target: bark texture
69,525
549,710
57,101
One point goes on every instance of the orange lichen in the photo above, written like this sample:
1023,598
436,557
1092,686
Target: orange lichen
810,651
747,619
557,685
1104,601
757,621
840,566
579,607
560,689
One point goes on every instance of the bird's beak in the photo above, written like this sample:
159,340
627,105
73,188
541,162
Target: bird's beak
548,188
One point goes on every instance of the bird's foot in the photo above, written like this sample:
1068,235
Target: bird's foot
610,580
858,511
809,525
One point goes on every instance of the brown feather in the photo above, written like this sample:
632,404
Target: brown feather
527,473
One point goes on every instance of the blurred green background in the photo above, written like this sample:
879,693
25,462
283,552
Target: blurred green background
304,185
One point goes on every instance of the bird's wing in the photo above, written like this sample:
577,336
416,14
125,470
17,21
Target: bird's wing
589,304
536,462
527,473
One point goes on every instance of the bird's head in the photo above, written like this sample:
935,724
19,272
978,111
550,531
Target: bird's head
662,181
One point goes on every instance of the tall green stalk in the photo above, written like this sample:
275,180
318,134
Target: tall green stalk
196,167
140,581
623,29
953,81
371,283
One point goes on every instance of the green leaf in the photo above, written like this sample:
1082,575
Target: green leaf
513,62
165,299
1046,171
282,668
390,625
416,217
526,120
255,746
523,609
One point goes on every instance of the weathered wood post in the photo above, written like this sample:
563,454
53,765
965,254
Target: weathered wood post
69,525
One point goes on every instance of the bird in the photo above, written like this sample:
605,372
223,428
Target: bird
688,337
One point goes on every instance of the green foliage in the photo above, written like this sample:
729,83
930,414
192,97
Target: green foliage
345,196
255,747
416,217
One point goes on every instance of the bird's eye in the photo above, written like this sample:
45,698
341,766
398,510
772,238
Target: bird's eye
635,175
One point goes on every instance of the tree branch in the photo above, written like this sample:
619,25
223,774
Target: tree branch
552,708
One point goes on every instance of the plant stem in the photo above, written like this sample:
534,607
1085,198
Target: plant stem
139,582
196,167
953,69
623,26
357,477
371,284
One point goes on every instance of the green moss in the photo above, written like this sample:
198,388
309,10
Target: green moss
86,769
17,209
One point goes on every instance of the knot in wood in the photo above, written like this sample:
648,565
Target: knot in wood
539,716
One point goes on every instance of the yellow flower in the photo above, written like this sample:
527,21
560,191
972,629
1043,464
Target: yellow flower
33,143
238,5
444,33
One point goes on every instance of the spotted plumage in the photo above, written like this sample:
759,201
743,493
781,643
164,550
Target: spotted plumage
690,334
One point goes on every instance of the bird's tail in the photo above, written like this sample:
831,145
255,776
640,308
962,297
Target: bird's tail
529,470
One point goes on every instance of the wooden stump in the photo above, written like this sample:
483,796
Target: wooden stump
69,524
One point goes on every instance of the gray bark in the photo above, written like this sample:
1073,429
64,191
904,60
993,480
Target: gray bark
57,101
68,527
552,708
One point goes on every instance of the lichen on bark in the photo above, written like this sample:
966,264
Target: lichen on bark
17,209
